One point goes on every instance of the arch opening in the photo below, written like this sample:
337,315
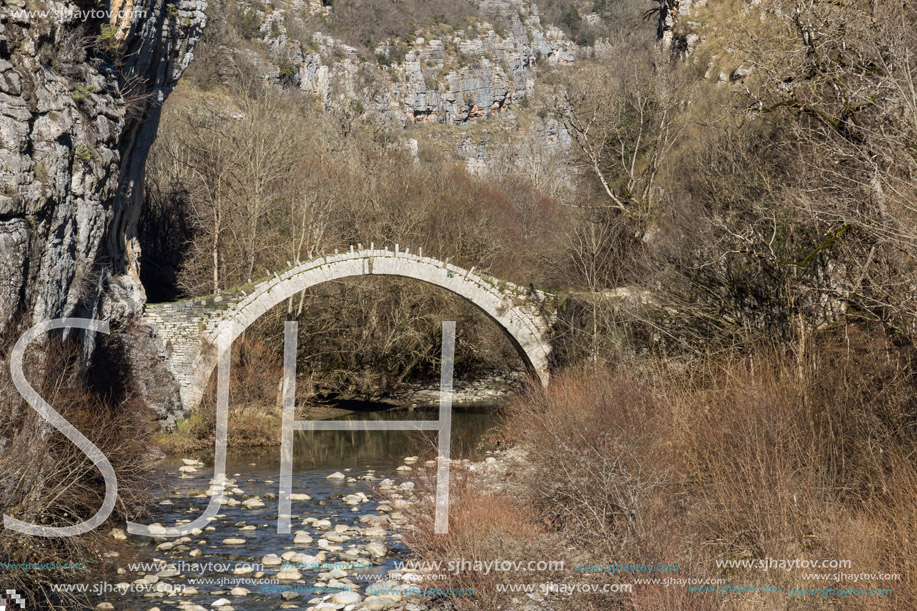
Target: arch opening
518,312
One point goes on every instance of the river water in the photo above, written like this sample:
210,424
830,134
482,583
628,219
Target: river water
211,571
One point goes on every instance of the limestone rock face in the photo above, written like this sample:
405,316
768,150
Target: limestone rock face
451,76
80,93
81,89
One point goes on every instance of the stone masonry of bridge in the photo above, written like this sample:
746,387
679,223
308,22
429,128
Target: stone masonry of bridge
191,329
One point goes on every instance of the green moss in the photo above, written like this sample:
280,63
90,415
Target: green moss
87,153
82,92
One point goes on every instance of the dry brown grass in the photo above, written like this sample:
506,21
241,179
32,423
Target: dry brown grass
46,480
482,527
773,454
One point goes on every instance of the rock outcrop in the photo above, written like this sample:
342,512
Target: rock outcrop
80,94
441,75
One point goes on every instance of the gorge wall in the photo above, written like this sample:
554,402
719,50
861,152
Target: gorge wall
81,87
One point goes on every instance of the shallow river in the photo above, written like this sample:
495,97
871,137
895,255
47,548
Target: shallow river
256,473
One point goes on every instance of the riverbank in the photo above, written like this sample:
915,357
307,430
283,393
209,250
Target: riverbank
658,467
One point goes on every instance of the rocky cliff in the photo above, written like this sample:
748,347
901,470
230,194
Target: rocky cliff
437,73
441,73
80,93
81,88
448,76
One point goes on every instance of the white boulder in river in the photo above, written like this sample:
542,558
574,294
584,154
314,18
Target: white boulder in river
289,575
375,603
271,560
337,475
253,503
346,598
376,549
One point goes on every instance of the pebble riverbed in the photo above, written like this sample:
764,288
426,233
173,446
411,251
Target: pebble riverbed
348,495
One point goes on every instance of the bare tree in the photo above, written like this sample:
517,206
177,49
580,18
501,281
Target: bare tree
621,122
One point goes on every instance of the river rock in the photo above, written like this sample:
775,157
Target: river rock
105,607
346,598
221,602
410,460
271,560
337,475
375,603
234,541
373,519
253,503
157,529
289,575
296,496
373,532
328,547
239,592
322,525
376,549
169,571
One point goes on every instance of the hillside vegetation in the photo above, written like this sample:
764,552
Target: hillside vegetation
769,413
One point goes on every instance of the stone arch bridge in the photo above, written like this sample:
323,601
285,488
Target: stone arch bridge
191,329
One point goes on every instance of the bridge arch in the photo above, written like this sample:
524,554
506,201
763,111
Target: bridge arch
192,329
